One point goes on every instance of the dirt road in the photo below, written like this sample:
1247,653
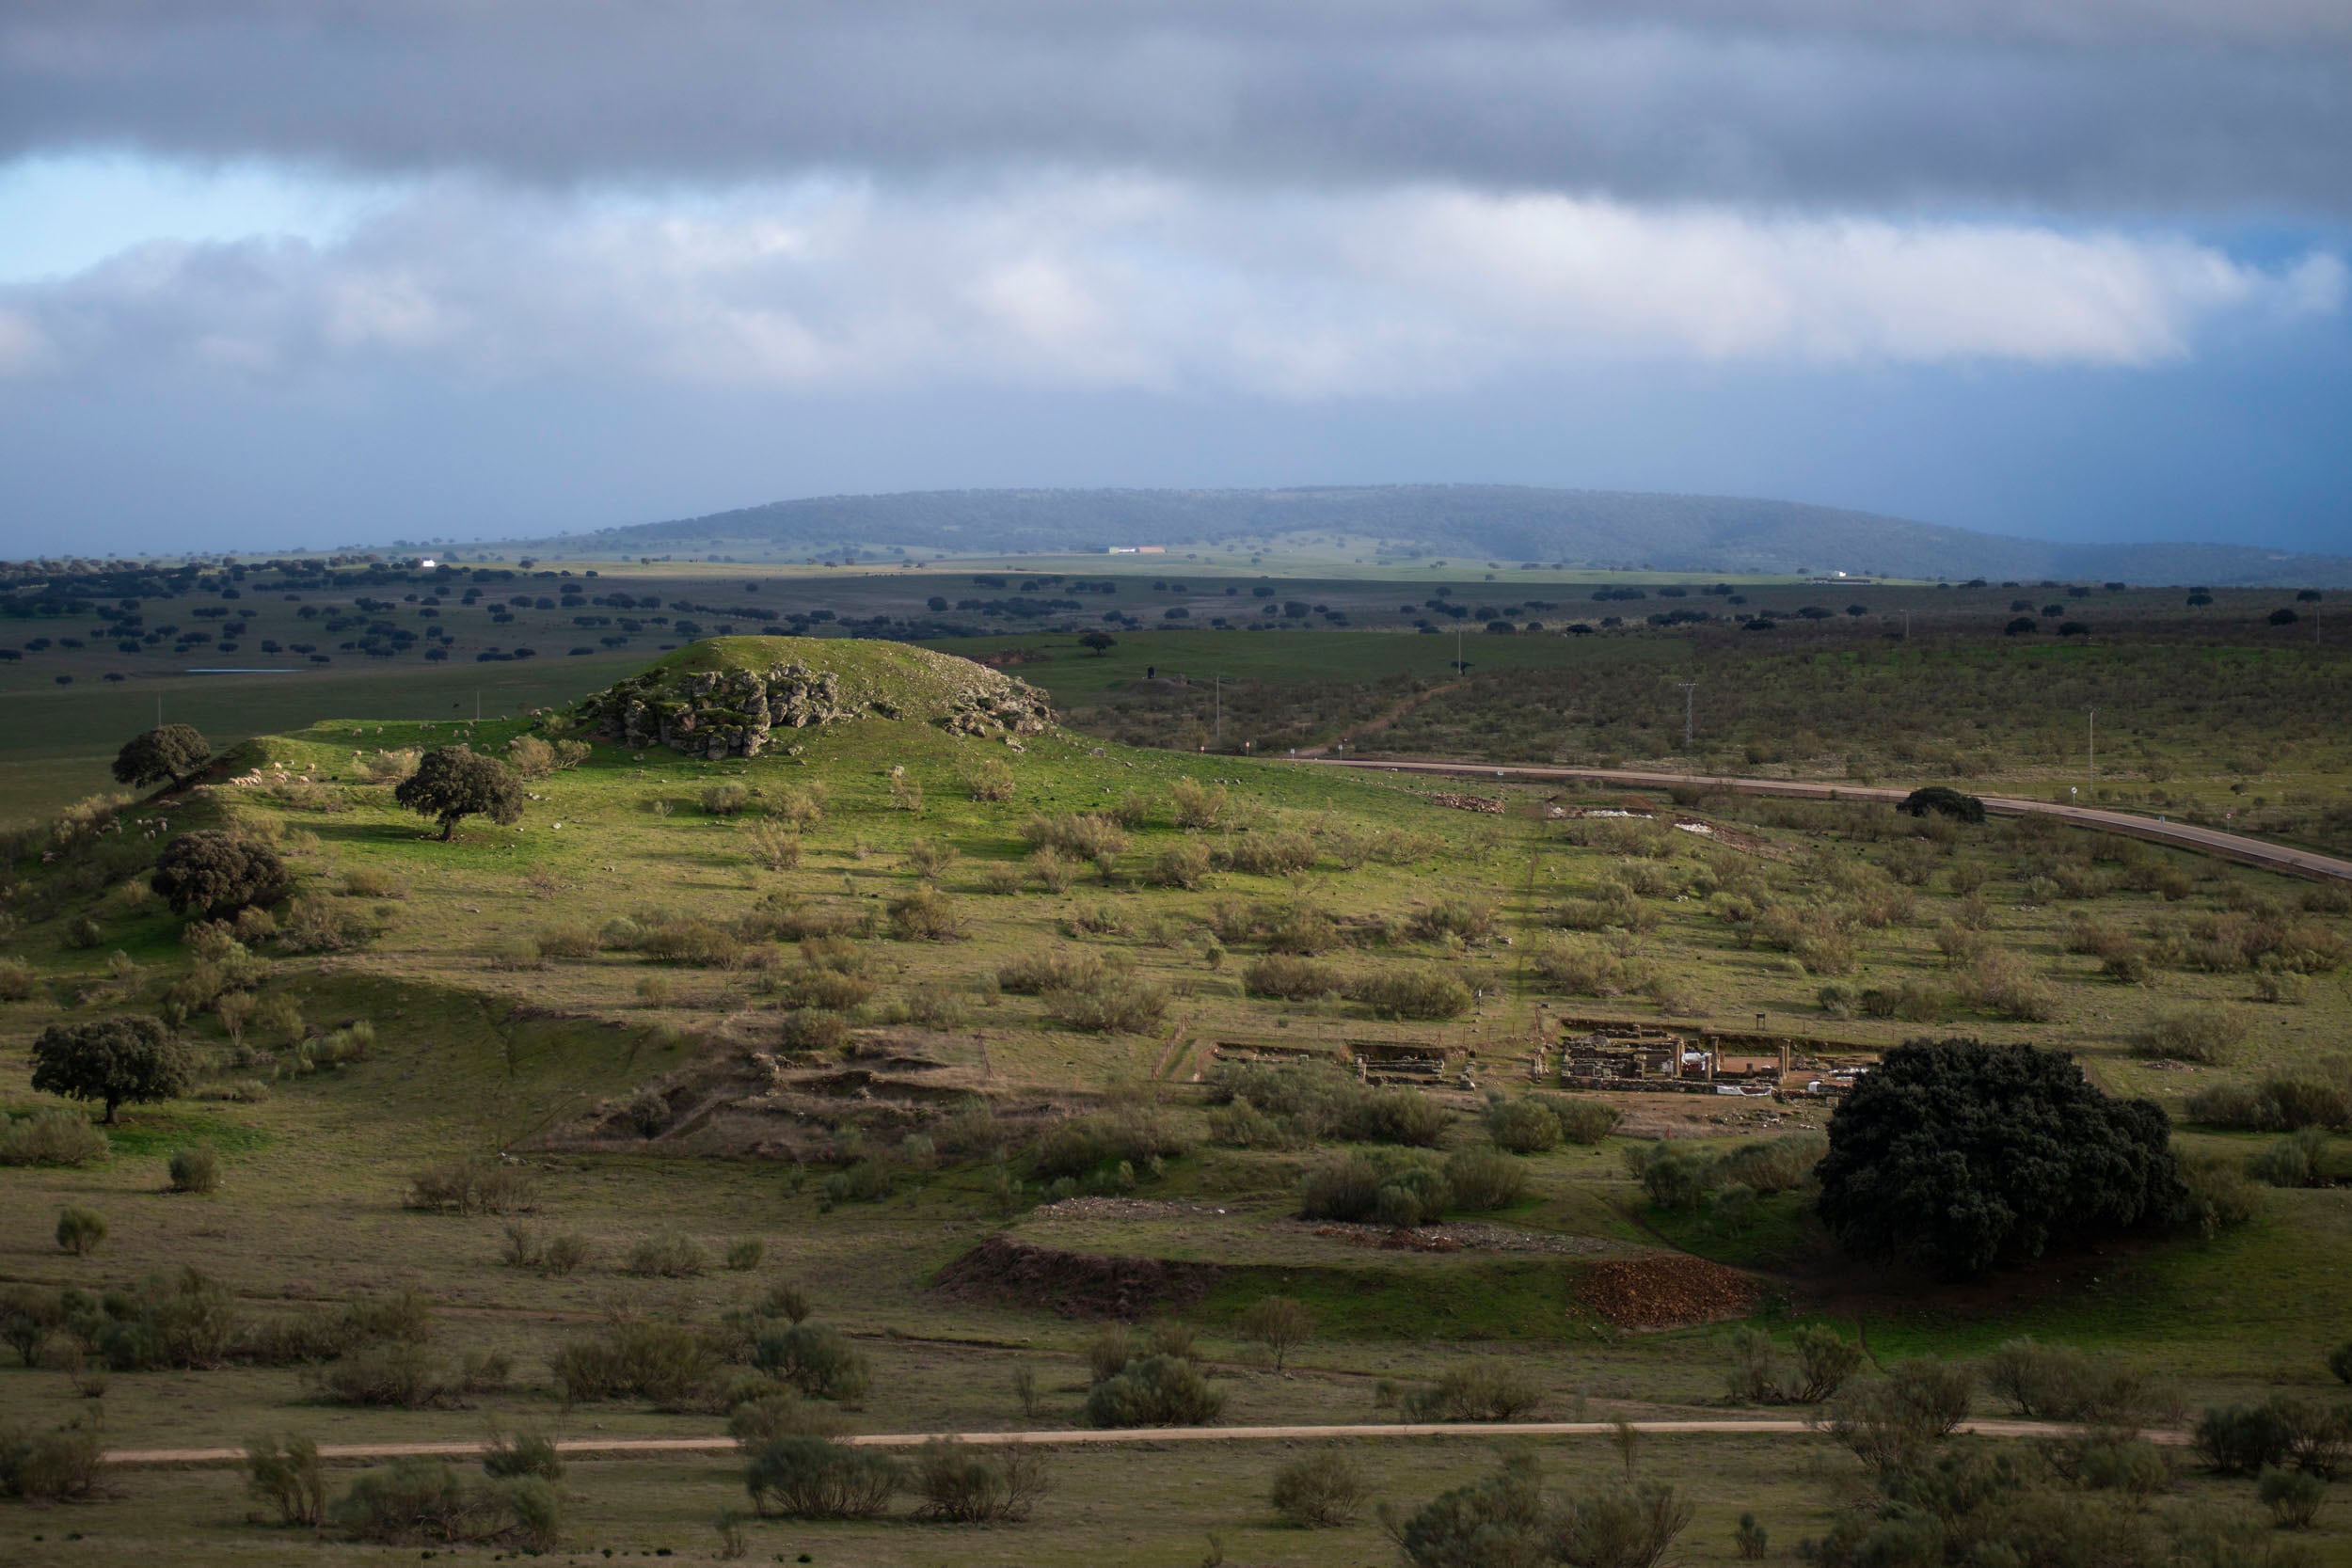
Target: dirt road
655,1447
2212,841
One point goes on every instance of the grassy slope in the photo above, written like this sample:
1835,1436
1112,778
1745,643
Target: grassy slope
469,1058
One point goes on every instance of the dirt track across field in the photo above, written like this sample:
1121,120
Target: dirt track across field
656,1448
2211,840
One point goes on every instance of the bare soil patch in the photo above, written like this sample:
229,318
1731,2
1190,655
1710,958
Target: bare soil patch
1003,1272
1665,1291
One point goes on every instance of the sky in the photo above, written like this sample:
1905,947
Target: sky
312,271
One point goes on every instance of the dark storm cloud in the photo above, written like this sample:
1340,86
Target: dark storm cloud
2157,105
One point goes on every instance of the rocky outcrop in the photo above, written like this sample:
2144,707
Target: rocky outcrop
732,713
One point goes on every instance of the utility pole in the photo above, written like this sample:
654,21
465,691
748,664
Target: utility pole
1458,648
477,704
1906,626
2093,714
1216,737
1687,688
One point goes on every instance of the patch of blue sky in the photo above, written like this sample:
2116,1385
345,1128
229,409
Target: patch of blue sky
61,214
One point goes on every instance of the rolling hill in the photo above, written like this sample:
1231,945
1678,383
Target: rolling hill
1588,528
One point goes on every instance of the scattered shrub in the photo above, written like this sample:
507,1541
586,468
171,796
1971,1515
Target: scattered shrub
828,990
1466,920
1584,1119
48,1466
1058,969
1889,1423
865,1182
1750,1539
746,1253
1184,864
195,1169
2057,1382
935,1007
573,940
811,1029
52,1137
774,846
987,779
961,1485
424,1500
1111,1004
1487,1391
2280,1102
1411,993
1825,1361
526,1453
670,1257
815,1478
80,1230
925,914
565,1254
815,1359
1482,1179
1579,968
389,1372
635,1357
2293,1161
1277,1323
474,1187
1319,1490
1079,1146
285,1474
1522,1126
929,860
1054,870
2209,1035
183,1320
1290,978
2242,1439
1507,1519
1158,1390
1080,836
2292,1497
1197,805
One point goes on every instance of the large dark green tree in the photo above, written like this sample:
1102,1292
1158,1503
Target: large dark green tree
173,751
127,1059
218,874
1962,1158
453,783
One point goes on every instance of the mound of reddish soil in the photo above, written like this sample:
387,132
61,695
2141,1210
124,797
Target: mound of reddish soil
1664,1293
1003,1272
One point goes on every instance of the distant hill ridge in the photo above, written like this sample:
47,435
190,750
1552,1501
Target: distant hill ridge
1590,527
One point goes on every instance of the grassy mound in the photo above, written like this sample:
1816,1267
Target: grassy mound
722,697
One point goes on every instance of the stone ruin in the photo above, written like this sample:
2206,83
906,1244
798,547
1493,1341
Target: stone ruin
720,714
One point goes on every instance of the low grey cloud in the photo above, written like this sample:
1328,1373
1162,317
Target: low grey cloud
1122,281
2100,105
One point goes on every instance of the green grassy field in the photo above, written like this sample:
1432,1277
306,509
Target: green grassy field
509,1016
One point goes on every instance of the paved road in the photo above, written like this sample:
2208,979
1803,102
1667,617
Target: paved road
2212,841
655,1447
